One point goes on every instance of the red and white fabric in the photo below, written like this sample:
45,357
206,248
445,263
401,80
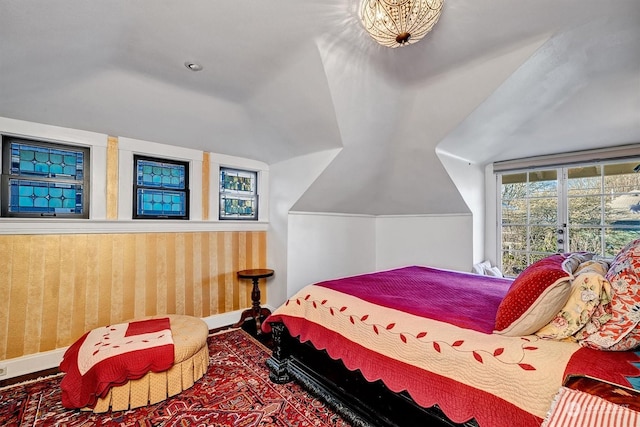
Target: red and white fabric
574,408
112,355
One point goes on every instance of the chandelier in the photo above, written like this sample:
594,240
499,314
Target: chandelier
394,23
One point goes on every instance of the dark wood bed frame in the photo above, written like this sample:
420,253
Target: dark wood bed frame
361,403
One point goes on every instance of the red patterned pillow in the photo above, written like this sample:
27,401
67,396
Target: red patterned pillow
622,331
535,297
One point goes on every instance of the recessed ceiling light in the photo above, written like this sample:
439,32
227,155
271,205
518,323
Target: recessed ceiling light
193,66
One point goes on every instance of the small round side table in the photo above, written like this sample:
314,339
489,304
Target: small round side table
256,312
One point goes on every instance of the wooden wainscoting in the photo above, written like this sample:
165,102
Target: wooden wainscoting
54,288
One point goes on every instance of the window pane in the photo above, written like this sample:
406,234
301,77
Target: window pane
622,189
238,207
158,174
585,210
543,183
543,239
514,238
45,162
514,211
543,211
616,239
236,181
620,178
585,239
45,198
42,178
584,180
513,263
533,257
161,203
623,210
238,194
161,188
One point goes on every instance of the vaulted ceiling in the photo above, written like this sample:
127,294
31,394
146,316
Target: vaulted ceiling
494,80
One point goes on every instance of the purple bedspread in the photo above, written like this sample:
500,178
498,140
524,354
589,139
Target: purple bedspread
464,299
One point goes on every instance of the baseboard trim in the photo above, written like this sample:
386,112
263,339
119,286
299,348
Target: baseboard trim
27,366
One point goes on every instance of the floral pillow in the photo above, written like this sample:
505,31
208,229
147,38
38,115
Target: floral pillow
589,290
537,295
621,332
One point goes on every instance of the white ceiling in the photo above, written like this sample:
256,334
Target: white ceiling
494,80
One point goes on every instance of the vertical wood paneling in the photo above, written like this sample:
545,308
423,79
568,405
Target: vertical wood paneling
117,274
230,290
180,255
205,274
262,250
139,283
188,274
206,185
66,283
78,304
150,279
34,300
220,277
127,246
6,273
50,302
171,272
18,296
57,287
112,177
92,306
241,264
105,268
196,262
161,273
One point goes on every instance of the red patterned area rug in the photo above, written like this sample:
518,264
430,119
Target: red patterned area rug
235,391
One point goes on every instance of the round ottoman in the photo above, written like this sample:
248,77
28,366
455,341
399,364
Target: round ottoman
191,360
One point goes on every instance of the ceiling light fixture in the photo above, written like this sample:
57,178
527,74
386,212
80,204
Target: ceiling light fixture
394,23
193,66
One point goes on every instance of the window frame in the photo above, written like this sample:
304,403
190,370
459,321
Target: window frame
564,227
6,140
251,194
136,187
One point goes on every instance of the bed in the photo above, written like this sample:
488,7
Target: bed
424,346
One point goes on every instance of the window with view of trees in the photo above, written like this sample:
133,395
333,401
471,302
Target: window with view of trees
593,208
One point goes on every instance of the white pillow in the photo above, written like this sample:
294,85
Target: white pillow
493,271
481,267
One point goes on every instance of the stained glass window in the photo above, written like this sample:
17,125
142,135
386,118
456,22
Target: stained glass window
161,189
42,179
238,194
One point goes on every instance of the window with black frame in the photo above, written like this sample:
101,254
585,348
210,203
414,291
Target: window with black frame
42,179
160,188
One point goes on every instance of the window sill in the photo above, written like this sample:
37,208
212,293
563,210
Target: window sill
88,226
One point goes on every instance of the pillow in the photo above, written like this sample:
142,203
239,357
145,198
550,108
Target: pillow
481,267
535,297
494,272
486,269
588,291
621,332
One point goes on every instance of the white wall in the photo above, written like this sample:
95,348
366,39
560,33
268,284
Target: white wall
443,241
288,180
326,246
469,181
